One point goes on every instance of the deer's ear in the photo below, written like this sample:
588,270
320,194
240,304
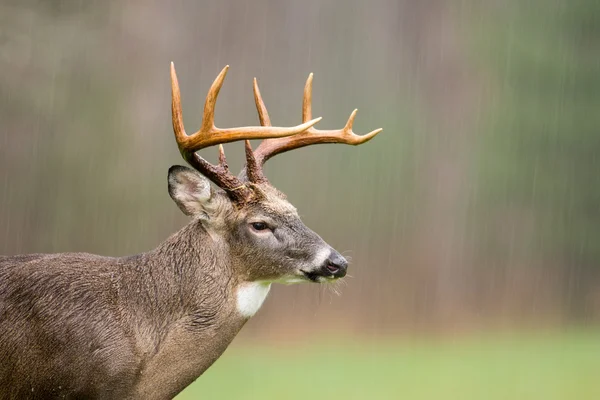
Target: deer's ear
190,190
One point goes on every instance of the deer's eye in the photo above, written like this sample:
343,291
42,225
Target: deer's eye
259,226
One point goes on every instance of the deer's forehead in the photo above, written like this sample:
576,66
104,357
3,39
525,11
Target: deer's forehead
275,204
272,203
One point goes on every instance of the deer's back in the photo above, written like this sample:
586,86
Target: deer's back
60,328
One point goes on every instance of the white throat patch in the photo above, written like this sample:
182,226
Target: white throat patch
250,297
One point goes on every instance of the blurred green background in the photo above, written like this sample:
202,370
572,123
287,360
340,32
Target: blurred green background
472,221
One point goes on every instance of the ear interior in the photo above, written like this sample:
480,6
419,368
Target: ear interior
190,190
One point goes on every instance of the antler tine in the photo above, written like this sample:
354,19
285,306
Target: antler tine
176,114
271,147
253,167
307,98
222,158
263,114
208,116
209,135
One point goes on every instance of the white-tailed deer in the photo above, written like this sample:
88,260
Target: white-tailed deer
77,325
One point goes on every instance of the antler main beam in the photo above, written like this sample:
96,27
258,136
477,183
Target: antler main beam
271,147
209,135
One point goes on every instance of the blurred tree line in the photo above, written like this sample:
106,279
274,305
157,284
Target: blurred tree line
540,154
479,203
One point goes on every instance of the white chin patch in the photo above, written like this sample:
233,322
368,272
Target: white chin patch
250,296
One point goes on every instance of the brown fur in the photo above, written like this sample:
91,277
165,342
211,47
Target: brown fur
122,326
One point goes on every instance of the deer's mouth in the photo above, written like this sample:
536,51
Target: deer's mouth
318,276
311,276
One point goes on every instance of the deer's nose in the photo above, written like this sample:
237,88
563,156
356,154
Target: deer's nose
335,265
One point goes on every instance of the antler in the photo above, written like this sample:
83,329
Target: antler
210,135
271,147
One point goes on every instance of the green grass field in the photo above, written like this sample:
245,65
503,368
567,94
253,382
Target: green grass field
541,366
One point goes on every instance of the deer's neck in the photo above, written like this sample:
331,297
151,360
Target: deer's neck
186,296
188,275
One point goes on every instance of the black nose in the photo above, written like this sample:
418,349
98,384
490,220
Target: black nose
335,265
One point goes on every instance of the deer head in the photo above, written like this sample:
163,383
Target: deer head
267,240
